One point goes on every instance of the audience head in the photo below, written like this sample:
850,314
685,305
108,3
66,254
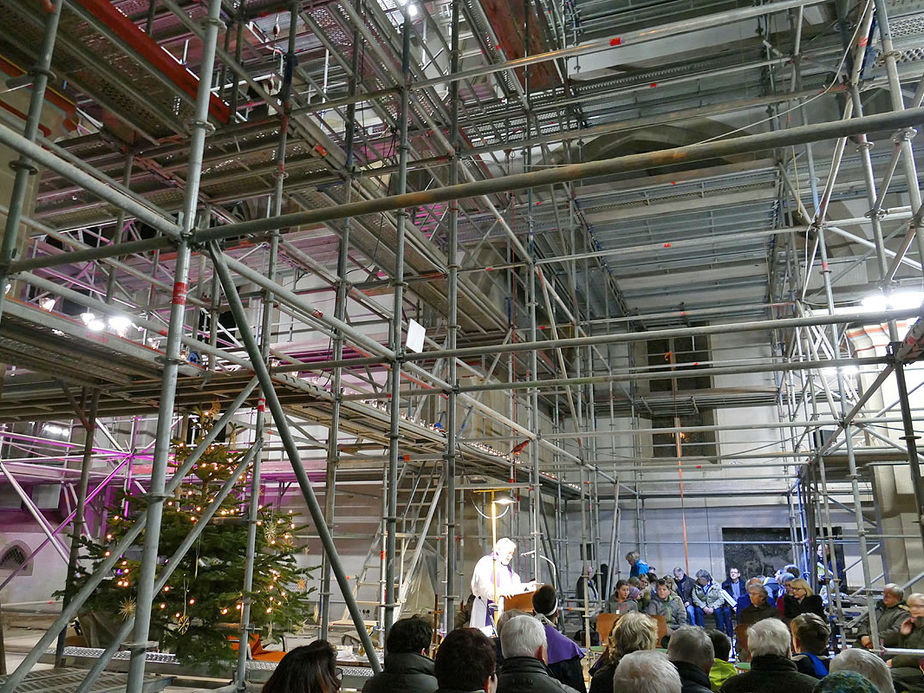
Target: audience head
633,557
545,601
634,581
465,661
810,634
523,636
844,682
721,645
800,588
793,570
646,671
892,594
915,604
506,616
692,645
758,594
769,637
679,573
643,581
306,669
703,577
622,589
409,635
866,664
734,573
664,589
632,632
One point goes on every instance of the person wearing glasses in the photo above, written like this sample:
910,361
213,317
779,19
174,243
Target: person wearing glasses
906,668
802,600
307,669
407,667
492,579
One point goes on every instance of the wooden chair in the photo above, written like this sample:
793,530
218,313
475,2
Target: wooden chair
741,642
661,622
605,623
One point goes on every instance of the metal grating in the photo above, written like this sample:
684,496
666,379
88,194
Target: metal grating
67,680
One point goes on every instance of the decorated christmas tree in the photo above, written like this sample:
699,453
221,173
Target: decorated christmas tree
199,610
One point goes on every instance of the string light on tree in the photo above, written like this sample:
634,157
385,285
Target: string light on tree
191,617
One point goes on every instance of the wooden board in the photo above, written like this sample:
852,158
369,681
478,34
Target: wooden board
605,623
523,602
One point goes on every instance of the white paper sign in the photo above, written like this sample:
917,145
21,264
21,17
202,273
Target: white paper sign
415,336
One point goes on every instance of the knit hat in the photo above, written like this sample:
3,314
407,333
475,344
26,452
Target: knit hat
845,682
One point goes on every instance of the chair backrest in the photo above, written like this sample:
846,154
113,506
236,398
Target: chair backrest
662,626
605,623
741,632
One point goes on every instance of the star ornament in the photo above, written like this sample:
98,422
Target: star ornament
127,608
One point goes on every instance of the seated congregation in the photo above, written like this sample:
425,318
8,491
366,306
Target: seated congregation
531,654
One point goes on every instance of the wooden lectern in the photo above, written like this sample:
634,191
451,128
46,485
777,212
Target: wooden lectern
523,602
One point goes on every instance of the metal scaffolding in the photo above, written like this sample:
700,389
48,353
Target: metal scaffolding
352,171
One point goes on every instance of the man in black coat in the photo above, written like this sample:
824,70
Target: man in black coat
524,645
690,651
772,670
465,662
407,668
685,589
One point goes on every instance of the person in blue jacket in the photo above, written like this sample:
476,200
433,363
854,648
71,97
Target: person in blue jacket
637,565
736,587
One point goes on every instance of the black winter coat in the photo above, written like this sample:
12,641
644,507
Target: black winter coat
570,672
692,678
811,604
407,672
770,674
602,680
528,675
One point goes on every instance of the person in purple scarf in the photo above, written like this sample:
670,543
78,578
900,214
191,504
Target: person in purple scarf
564,654
495,567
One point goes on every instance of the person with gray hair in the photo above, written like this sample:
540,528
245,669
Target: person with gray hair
637,566
891,612
646,671
866,664
709,600
759,608
771,668
493,578
690,651
525,649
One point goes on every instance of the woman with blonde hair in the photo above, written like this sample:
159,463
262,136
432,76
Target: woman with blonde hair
632,632
802,600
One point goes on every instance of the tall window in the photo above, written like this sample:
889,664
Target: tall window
672,401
